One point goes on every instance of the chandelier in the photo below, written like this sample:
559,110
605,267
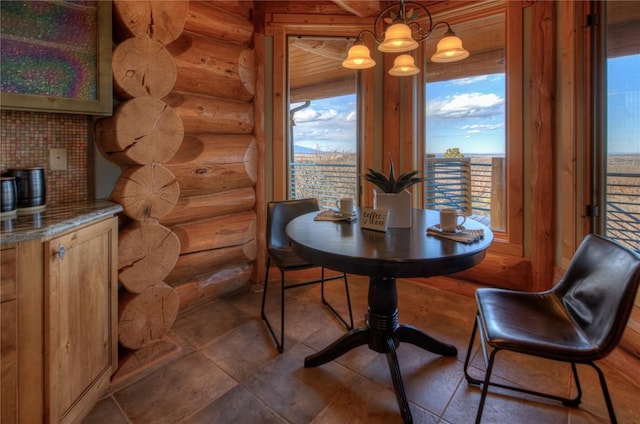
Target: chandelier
403,34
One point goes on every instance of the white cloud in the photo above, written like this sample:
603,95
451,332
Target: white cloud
466,105
351,116
477,128
310,115
471,80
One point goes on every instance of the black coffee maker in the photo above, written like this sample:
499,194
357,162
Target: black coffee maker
8,197
31,188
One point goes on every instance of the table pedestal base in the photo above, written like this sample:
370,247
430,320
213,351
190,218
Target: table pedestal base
383,334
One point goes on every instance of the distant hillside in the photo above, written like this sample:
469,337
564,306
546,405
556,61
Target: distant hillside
301,150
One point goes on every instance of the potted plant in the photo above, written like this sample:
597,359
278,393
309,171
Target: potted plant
392,194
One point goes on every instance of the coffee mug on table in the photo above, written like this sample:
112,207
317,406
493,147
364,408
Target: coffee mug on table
449,220
345,206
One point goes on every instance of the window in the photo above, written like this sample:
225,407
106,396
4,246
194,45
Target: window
307,66
619,157
472,140
322,135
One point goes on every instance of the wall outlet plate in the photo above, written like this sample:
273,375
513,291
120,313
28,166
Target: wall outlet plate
58,159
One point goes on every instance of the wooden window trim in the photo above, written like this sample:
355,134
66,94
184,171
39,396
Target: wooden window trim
511,241
281,26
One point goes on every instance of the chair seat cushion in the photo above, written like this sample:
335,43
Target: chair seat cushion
532,323
286,259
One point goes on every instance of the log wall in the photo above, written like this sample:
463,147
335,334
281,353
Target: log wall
183,135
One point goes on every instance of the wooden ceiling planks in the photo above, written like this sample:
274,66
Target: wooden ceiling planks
361,8
315,69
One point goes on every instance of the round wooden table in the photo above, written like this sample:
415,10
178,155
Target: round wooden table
385,256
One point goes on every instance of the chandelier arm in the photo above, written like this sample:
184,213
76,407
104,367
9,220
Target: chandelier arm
360,38
427,34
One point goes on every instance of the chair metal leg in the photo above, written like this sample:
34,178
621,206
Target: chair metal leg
575,401
280,340
264,289
348,326
485,386
346,289
279,344
467,359
605,392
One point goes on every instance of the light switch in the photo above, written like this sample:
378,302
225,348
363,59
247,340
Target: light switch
58,159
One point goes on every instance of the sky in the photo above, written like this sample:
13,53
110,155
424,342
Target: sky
623,99
469,114
327,124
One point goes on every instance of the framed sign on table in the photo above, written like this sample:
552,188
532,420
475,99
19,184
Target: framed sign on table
56,56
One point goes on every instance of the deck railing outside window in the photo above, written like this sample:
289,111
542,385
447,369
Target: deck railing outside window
474,186
623,208
327,182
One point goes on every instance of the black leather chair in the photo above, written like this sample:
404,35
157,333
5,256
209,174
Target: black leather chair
279,214
580,320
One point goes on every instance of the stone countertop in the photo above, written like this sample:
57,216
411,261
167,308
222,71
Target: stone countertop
54,220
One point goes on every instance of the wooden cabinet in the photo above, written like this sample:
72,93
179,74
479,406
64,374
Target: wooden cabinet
64,321
80,300
9,336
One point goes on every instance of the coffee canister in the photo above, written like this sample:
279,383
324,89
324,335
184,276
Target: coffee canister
9,197
31,188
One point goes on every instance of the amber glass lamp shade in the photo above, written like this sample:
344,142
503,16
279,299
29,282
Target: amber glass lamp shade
358,58
398,39
449,49
403,66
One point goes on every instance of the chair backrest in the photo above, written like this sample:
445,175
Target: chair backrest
599,288
280,213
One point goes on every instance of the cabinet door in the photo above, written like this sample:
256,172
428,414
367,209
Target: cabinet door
8,337
80,319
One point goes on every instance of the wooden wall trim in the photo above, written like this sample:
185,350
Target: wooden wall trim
500,270
259,131
542,78
280,26
367,131
280,99
514,196
567,132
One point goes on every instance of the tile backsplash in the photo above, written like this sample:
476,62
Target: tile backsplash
25,140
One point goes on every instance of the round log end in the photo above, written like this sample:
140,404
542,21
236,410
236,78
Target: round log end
142,67
162,21
146,192
146,316
147,252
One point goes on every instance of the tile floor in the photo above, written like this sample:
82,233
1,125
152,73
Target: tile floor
230,372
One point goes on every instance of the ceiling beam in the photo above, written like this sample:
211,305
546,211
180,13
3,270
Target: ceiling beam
361,8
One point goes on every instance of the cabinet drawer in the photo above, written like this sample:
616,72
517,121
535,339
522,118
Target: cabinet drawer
8,273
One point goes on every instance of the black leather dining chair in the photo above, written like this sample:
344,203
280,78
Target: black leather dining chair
578,321
279,214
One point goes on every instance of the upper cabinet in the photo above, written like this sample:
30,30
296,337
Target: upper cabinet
56,56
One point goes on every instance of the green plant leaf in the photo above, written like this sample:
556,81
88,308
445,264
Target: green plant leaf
391,184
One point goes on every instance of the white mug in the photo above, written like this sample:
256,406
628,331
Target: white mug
345,206
449,220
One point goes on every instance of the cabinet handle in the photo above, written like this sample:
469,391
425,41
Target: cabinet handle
61,252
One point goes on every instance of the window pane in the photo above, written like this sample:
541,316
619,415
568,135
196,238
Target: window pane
323,126
465,126
622,202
